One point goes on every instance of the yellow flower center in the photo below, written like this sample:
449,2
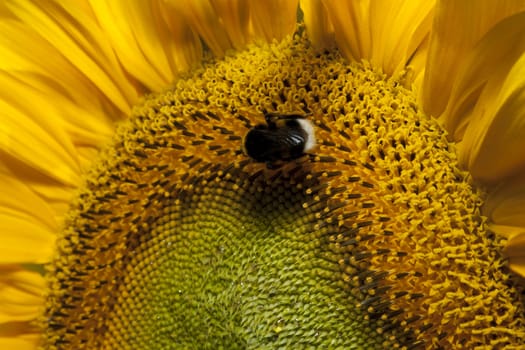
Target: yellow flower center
373,239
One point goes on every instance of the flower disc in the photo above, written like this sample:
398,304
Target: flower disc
373,239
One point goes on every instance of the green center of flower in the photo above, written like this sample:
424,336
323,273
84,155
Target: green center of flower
374,239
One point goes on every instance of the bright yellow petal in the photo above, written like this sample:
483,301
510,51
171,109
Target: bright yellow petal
26,60
516,245
458,25
320,29
18,343
52,138
20,304
505,208
23,239
236,20
398,29
126,23
77,119
417,64
515,250
505,230
62,93
486,67
226,24
493,146
351,22
53,117
143,42
91,54
387,33
183,45
274,19
517,264
203,19
21,293
18,196
34,189
505,205
36,145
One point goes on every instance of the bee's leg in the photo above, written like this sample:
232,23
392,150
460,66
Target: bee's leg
306,158
271,118
272,165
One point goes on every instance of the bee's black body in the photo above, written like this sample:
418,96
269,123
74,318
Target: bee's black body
283,138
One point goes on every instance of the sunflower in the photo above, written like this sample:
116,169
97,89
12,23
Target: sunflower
133,219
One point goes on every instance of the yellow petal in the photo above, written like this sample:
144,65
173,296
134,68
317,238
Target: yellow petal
351,26
81,42
183,46
517,264
320,29
516,245
387,33
235,16
126,23
21,293
351,22
19,197
274,19
53,79
486,66
23,239
515,251
34,187
225,24
143,42
458,25
27,59
48,138
398,29
203,19
417,67
18,343
505,205
36,145
505,208
493,146
505,230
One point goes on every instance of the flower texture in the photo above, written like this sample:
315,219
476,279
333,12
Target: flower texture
399,229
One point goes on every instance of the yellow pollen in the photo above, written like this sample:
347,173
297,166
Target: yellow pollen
372,240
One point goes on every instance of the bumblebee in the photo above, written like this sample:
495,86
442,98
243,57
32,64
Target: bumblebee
284,137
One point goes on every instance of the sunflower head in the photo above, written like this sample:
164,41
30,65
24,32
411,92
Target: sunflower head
395,229
180,239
